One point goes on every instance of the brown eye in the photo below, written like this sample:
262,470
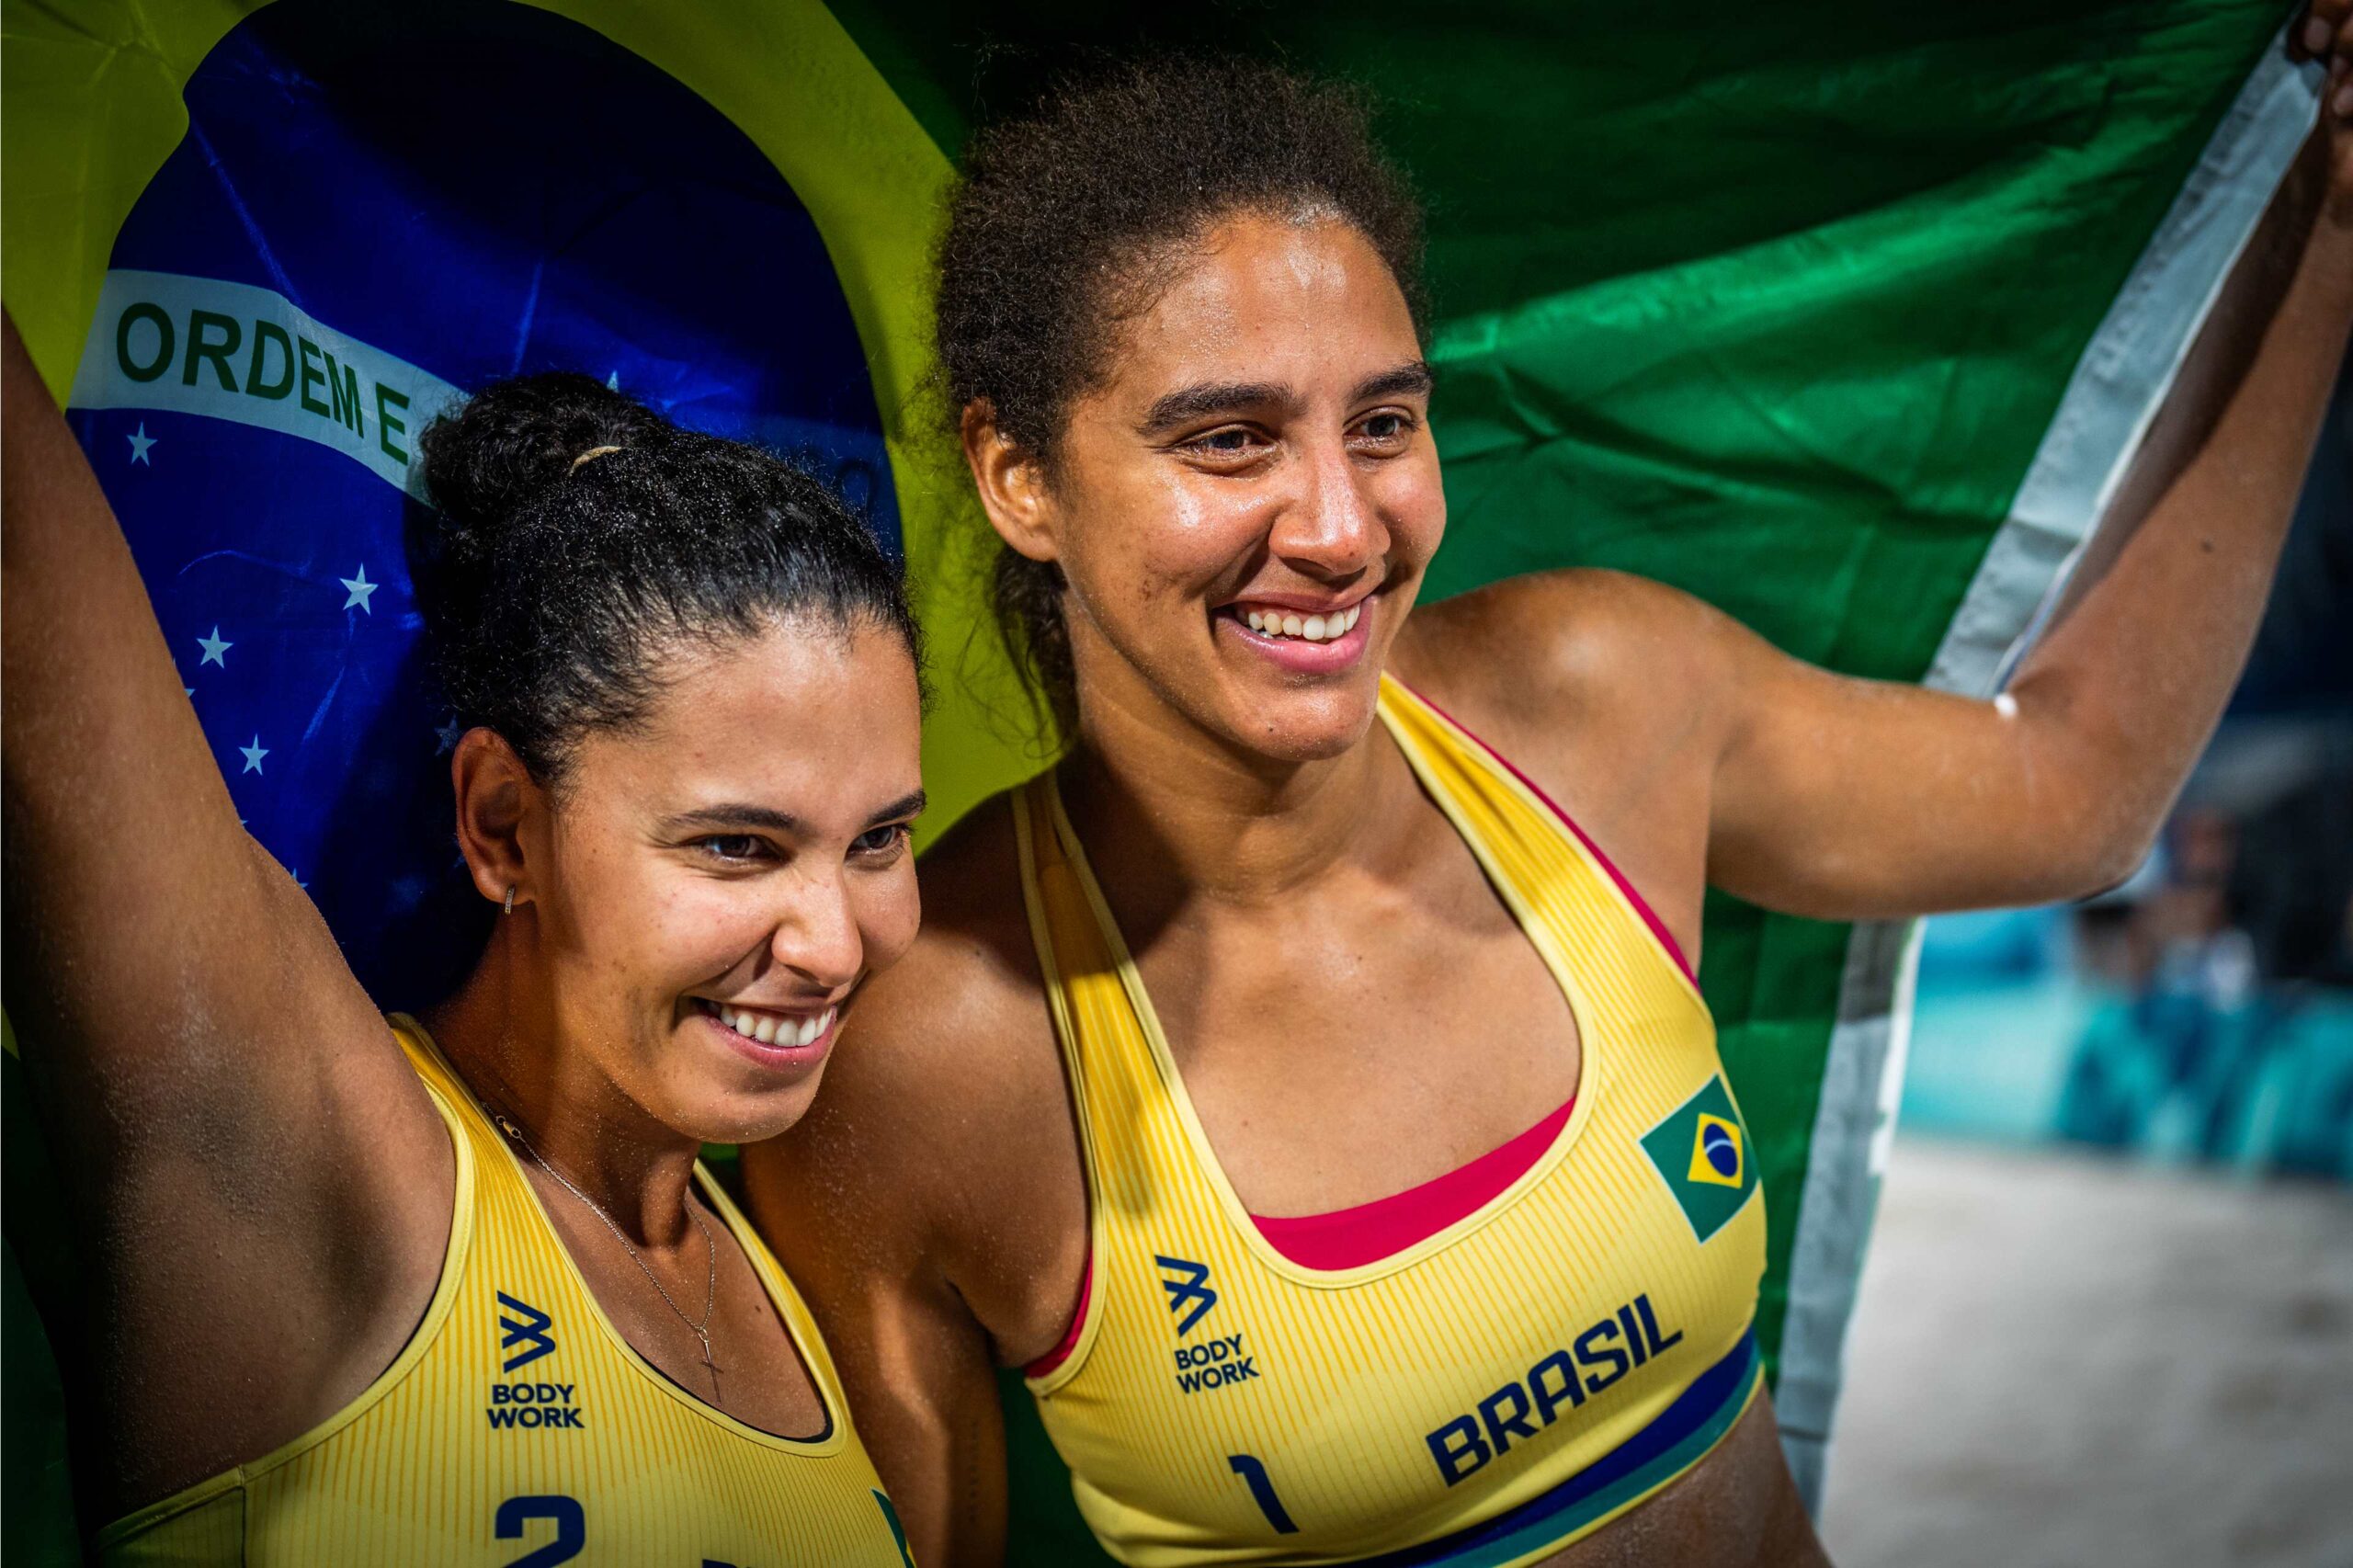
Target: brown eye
1385,429
735,848
1232,441
880,840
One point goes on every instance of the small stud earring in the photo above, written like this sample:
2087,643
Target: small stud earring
510,898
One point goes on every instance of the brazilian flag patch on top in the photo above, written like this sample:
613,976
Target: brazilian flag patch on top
1702,1153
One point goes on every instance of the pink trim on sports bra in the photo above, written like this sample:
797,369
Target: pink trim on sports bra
1061,1353
1642,906
1351,1238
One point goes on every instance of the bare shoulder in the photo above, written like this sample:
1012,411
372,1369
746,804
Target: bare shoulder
942,1134
1533,657
1614,693
976,925
960,1022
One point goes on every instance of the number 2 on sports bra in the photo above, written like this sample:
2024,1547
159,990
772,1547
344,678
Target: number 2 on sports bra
1262,1492
571,1528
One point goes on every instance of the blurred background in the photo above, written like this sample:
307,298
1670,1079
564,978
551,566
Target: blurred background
2108,1315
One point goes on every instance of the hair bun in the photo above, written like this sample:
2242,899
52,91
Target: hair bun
513,439
552,588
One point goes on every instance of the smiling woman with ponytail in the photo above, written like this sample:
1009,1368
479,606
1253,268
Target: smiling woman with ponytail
1378,1196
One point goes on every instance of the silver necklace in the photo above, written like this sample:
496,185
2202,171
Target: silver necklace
711,1292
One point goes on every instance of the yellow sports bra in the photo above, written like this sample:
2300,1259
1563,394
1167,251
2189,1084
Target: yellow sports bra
1492,1391
518,1428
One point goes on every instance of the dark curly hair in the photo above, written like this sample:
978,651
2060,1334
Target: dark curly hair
1072,219
551,587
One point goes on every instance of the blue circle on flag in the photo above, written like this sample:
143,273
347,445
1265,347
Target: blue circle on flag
1722,1155
370,203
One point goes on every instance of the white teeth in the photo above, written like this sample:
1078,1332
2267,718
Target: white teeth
769,1029
1312,628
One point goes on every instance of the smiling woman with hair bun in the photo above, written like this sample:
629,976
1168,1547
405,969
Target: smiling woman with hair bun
455,1288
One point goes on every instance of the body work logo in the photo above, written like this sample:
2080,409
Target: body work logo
523,1329
1191,1289
1220,1360
526,1335
1702,1153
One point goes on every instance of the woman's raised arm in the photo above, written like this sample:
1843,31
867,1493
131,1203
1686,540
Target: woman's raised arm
228,1105
1844,798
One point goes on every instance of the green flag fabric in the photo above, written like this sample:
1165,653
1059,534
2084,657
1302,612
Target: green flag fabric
1845,318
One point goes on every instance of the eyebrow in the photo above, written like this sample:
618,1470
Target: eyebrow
730,815
1205,398
738,814
908,805
1412,379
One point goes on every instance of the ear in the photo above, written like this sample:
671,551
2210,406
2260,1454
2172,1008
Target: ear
496,794
1012,482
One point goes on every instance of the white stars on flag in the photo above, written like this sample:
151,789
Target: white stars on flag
448,735
138,445
214,646
358,590
254,754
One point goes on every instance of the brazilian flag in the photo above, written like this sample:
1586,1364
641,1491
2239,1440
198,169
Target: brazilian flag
1845,317
1700,1151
